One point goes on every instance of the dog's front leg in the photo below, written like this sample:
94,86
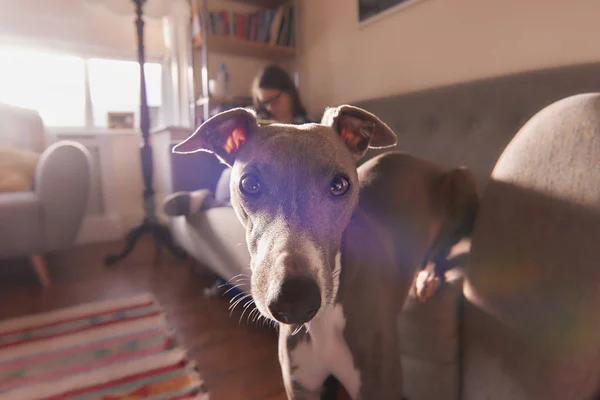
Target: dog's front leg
303,374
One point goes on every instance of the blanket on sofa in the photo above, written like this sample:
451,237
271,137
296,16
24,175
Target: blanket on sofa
17,169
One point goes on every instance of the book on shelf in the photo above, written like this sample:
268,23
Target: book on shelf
274,27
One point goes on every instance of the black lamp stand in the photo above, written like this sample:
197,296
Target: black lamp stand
150,224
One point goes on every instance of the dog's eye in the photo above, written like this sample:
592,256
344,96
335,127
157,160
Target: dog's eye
339,185
250,185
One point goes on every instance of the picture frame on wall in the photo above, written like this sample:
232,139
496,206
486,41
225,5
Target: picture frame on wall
121,120
368,9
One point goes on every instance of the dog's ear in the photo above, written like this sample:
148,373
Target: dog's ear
223,134
359,129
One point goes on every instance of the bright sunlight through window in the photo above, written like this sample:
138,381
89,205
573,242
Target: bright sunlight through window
55,86
115,87
52,84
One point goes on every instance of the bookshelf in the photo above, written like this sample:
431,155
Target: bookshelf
268,34
272,4
227,100
231,45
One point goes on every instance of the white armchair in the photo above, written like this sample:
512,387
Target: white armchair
47,217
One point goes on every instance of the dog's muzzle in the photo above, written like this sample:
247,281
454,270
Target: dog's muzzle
297,301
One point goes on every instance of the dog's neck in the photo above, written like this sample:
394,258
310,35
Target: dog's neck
359,278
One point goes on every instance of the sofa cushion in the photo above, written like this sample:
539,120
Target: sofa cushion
533,326
17,169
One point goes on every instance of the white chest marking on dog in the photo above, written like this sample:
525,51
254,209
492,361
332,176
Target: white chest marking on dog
309,372
328,344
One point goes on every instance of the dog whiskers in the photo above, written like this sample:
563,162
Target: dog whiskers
238,277
238,301
298,329
232,307
250,314
233,287
236,296
257,317
239,280
265,320
245,309
307,326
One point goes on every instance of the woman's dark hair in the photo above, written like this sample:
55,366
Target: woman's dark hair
276,78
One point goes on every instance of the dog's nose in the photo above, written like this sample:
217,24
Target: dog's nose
297,302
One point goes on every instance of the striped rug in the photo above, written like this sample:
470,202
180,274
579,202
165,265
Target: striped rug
112,350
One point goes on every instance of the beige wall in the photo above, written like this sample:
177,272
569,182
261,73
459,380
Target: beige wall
78,26
436,42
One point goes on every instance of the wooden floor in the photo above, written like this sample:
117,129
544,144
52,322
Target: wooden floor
237,360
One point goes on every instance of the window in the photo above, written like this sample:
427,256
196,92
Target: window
115,86
50,83
55,85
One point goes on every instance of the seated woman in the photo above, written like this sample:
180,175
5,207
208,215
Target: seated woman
276,98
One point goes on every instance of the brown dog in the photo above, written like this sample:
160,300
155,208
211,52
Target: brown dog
334,249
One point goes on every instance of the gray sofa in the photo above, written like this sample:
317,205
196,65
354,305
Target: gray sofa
46,217
522,322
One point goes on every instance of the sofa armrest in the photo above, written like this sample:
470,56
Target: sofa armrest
62,185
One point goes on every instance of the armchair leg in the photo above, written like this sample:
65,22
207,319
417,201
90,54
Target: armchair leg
39,265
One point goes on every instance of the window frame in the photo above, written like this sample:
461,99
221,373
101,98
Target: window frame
89,109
